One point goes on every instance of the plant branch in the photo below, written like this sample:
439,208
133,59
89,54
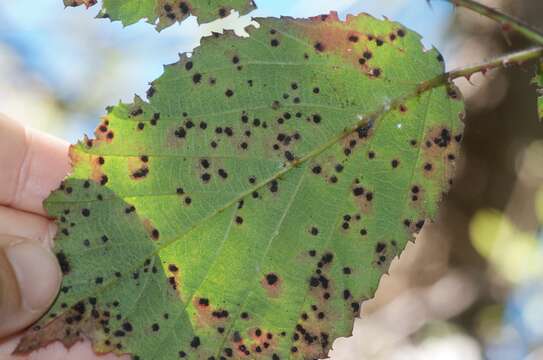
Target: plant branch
515,58
507,22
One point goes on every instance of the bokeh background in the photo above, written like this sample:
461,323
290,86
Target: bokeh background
471,287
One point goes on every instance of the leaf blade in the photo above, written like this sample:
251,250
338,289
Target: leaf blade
281,233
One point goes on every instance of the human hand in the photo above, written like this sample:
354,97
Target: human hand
32,164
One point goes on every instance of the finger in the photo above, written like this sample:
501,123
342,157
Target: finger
29,281
56,351
31,226
33,164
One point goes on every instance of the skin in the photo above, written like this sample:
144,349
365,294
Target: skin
32,164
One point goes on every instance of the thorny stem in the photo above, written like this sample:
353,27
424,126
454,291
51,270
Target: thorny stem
515,58
507,22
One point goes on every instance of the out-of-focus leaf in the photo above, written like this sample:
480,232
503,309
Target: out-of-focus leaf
515,255
257,197
165,13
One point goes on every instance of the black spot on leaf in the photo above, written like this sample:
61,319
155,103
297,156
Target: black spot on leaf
63,262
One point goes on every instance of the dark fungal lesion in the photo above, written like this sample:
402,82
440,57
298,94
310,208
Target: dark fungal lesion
272,279
151,92
309,336
384,252
140,173
319,46
173,11
65,266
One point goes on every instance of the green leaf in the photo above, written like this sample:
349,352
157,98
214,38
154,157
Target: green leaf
166,12
257,197
539,82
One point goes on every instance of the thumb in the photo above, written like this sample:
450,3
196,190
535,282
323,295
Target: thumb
29,281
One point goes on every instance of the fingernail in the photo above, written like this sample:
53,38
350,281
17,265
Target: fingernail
37,272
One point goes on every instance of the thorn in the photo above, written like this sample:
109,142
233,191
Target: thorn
468,78
506,30
506,27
